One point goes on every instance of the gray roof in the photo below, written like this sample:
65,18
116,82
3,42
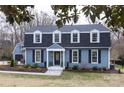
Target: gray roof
68,28
55,46
66,41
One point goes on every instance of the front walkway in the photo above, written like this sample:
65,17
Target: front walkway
52,71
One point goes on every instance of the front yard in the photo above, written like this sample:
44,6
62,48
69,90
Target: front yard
68,78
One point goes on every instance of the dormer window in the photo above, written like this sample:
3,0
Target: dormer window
75,36
94,36
56,37
37,37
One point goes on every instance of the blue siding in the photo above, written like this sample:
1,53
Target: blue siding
84,58
17,50
104,60
50,58
44,57
29,54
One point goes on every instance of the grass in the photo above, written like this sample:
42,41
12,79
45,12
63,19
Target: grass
68,78
119,67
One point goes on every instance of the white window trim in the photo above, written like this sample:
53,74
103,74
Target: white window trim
37,32
77,56
35,56
78,34
56,32
91,36
96,50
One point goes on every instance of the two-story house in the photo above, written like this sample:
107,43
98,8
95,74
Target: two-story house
83,45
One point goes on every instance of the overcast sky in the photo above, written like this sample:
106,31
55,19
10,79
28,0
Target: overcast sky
47,9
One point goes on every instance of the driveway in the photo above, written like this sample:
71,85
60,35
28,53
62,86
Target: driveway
4,62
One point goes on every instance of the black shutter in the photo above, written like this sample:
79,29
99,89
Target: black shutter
79,56
42,54
70,56
33,55
89,56
99,56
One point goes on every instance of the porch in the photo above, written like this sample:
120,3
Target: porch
55,56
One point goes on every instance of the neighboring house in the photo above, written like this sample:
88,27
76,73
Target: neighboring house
84,45
18,52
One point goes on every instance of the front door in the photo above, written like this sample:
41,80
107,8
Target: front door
57,58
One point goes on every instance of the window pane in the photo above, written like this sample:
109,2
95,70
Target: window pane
94,56
75,37
37,56
56,37
94,37
75,55
37,37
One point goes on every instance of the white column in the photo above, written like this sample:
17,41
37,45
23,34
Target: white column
64,59
47,59
60,59
25,56
109,58
53,58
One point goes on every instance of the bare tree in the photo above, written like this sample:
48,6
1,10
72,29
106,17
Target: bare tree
10,35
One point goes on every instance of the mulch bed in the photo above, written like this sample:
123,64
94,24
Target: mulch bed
43,70
22,69
114,71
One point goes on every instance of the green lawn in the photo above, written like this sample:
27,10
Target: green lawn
119,67
68,78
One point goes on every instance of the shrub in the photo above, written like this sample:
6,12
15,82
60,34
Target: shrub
83,69
75,67
100,69
121,57
45,63
67,65
119,71
12,63
61,63
95,68
104,69
27,66
35,66
112,66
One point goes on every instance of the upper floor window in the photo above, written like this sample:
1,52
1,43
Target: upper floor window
94,36
75,36
56,37
37,37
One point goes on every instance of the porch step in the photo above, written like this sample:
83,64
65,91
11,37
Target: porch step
51,72
55,68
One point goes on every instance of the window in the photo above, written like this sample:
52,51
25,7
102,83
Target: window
75,36
37,56
94,37
56,37
37,37
75,56
94,56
